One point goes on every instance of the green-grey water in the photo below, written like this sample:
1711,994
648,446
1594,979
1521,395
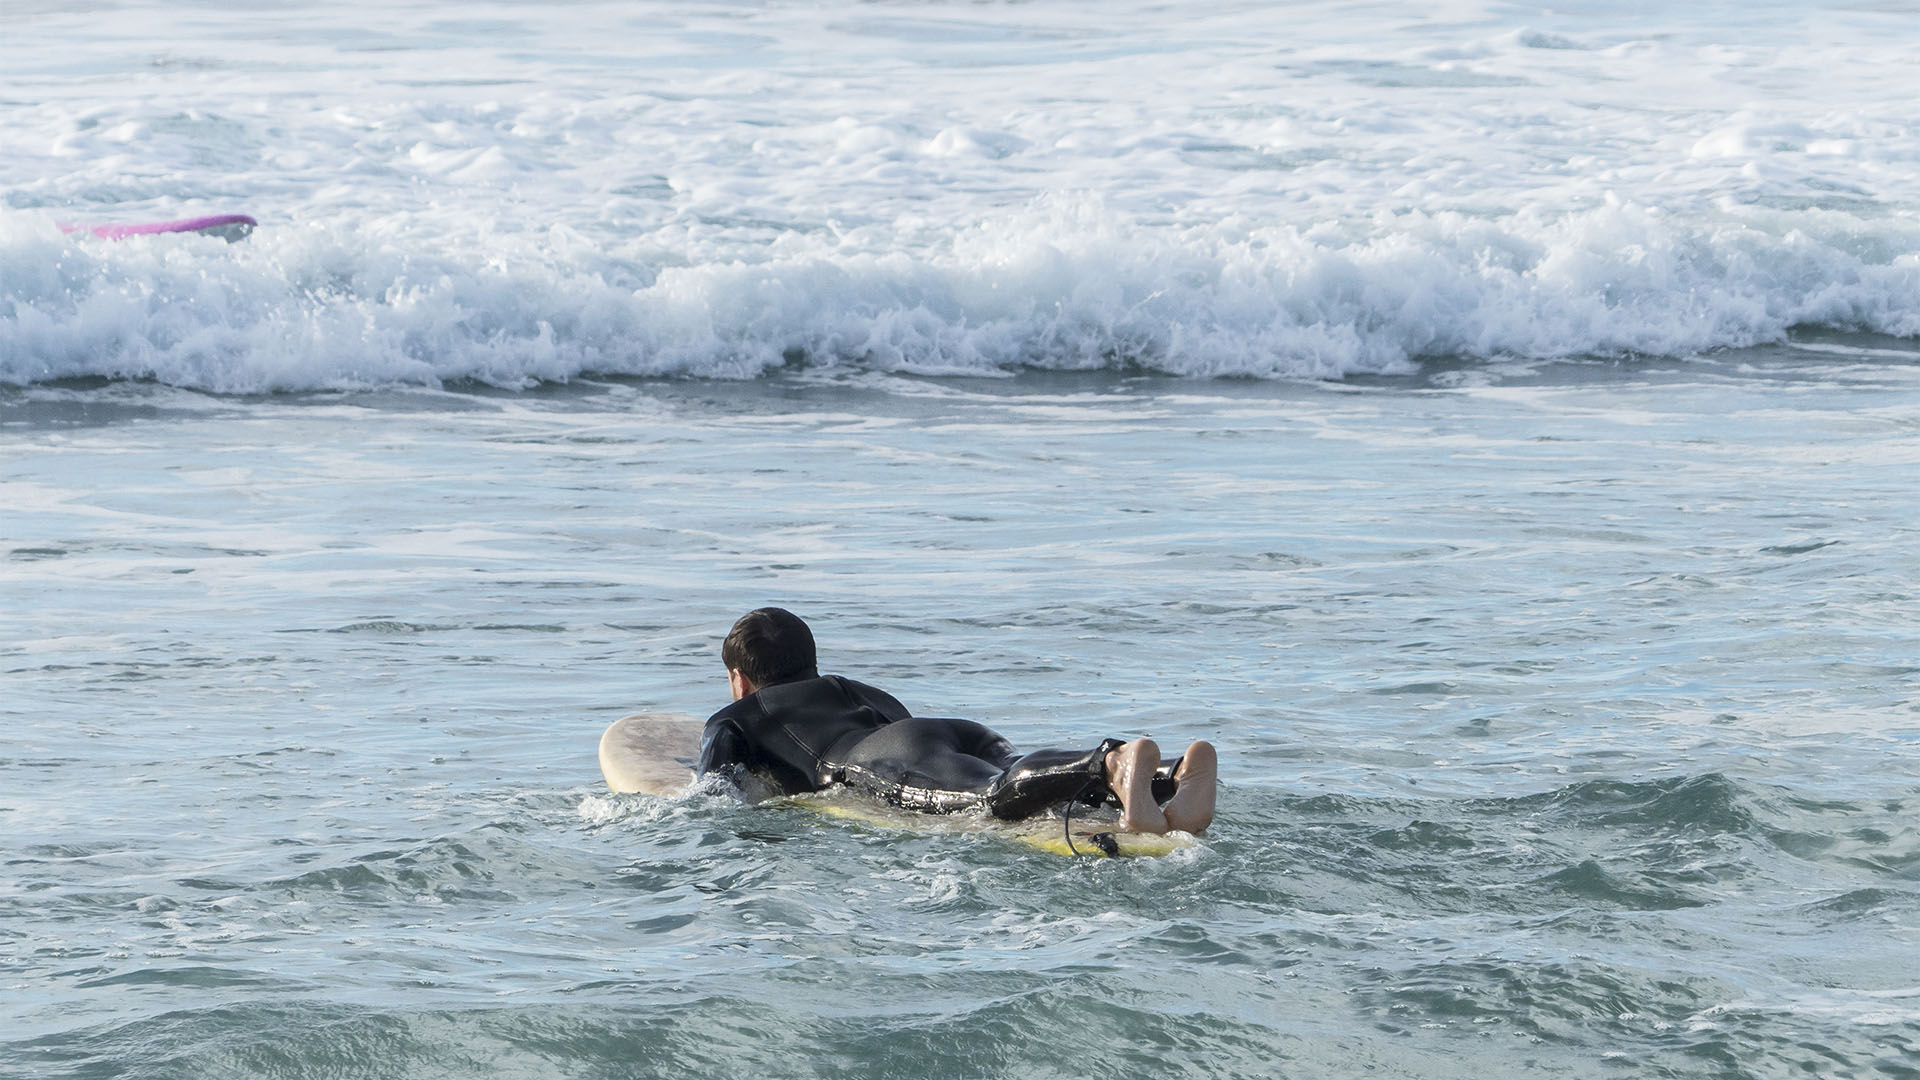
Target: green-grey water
1567,714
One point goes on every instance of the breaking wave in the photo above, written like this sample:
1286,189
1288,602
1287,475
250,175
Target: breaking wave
1065,284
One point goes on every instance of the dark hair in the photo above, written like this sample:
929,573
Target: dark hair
770,645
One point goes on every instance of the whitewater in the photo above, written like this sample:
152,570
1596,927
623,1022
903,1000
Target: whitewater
507,195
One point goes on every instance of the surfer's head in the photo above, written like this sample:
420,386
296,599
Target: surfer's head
768,646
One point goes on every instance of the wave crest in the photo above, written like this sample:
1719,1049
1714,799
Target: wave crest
1062,285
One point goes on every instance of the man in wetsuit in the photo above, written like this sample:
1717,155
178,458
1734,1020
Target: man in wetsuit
793,730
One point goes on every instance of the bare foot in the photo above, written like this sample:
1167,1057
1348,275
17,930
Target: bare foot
1191,808
1130,775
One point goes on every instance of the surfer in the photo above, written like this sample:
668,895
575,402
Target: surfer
796,731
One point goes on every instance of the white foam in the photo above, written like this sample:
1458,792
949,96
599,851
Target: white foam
1871,1008
597,810
669,188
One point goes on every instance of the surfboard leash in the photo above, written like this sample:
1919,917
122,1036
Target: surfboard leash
1066,819
1096,775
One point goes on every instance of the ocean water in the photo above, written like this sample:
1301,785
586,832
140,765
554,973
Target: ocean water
1494,427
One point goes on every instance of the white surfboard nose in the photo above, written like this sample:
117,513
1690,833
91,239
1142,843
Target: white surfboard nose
651,753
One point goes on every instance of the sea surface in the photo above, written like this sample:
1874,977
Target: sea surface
1495,427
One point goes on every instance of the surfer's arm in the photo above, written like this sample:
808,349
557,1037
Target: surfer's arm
723,749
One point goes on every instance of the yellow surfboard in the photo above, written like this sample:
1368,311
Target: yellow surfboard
656,754
1095,833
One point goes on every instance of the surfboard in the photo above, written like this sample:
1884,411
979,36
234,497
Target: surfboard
228,227
1093,831
656,754
650,753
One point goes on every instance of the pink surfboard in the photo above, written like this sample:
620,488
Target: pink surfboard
228,227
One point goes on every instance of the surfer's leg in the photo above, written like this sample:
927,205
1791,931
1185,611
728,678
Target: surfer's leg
1191,808
940,765
1130,775
1047,778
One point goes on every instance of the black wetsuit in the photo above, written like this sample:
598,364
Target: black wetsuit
812,734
